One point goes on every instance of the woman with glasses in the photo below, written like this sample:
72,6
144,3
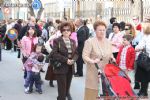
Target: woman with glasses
64,51
96,50
141,74
129,29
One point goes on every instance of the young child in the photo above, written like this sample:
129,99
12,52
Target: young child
126,55
33,66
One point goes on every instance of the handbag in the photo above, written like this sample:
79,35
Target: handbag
55,63
143,60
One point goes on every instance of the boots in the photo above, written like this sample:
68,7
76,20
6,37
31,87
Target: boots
143,90
69,97
137,85
51,83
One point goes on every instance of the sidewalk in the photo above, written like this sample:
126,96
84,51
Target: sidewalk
11,82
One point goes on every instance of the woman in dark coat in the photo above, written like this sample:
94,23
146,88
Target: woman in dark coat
18,27
141,74
64,51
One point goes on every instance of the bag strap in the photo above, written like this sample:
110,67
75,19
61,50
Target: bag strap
145,47
112,36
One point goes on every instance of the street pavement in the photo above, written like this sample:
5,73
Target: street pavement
11,82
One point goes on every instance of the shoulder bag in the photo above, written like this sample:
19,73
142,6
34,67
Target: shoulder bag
55,63
143,60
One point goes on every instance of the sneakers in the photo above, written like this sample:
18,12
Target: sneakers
143,95
39,91
27,91
137,85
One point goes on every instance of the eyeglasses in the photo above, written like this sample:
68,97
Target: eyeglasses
126,29
101,30
66,30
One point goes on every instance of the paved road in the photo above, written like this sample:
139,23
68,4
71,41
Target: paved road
11,82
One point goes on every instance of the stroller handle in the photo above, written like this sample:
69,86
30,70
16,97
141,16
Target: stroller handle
99,70
96,65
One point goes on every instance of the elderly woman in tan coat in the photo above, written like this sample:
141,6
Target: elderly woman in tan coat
96,50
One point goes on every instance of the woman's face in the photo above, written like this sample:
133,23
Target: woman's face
31,31
116,29
100,31
127,30
66,32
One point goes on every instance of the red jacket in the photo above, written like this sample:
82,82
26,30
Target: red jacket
130,57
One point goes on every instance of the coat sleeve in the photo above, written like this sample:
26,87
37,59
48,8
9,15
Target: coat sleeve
132,59
118,57
87,51
141,44
81,36
56,54
75,55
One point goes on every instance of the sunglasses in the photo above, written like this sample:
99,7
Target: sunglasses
126,29
66,30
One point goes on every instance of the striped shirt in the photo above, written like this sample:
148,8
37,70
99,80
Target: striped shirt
68,45
122,64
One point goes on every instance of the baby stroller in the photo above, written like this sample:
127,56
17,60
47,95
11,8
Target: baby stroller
115,84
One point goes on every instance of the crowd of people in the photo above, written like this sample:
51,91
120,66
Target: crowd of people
66,45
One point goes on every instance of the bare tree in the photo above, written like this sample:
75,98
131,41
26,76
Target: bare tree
31,10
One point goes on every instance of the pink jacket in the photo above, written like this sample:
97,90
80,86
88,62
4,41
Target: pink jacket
74,37
26,45
117,40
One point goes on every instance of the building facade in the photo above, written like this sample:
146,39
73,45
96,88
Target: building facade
58,9
11,9
102,9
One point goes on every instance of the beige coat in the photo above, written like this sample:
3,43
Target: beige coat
93,49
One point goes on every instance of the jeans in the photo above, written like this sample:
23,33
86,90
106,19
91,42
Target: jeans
28,79
35,78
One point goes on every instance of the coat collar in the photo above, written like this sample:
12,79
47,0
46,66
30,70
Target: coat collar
63,43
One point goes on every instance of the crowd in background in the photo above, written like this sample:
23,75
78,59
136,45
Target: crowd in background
69,42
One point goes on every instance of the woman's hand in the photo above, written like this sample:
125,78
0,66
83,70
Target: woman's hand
69,62
93,61
113,59
96,60
113,44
